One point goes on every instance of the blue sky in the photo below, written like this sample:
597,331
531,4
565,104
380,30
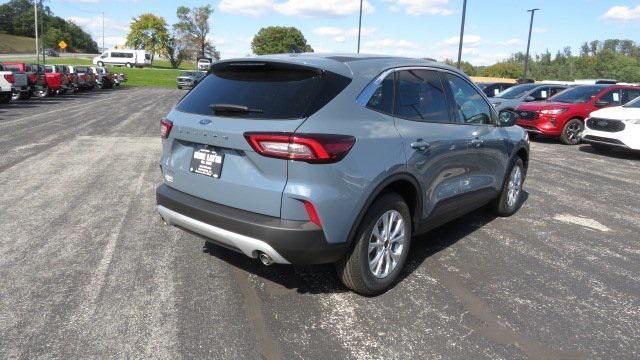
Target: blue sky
420,28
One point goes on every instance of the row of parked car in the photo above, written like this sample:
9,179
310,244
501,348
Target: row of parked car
20,81
605,113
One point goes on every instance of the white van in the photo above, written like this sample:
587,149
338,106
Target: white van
128,58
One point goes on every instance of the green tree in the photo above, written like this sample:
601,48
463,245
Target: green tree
504,70
176,51
148,32
465,66
279,40
193,28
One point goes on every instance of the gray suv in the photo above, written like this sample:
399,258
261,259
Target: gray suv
514,96
309,159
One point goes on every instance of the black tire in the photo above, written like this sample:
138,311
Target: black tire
100,63
129,65
5,98
571,131
354,270
502,206
179,87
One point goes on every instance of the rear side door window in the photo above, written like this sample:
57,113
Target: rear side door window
554,90
541,94
420,96
470,107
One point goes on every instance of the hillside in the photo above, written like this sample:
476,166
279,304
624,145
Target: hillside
16,44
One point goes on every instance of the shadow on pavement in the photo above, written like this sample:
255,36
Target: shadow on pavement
322,279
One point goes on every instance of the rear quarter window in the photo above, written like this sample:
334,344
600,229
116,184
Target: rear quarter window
275,90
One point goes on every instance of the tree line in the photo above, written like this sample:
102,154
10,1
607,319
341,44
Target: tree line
17,18
609,59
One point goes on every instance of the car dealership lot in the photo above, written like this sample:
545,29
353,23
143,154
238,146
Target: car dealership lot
87,268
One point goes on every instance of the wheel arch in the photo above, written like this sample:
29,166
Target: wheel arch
405,185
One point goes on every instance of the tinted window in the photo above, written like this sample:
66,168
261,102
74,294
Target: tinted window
612,97
471,108
382,98
540,94
555,90
633,103
629,94
420,96
11,67
516,91
272,90
577,94
147,57
491,90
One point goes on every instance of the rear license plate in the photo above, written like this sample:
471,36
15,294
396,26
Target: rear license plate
207,162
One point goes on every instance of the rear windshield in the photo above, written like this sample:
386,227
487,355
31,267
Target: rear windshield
271,90
577,95
12,67
516,91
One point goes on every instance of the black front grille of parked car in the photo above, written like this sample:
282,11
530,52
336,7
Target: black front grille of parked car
527,115
605,125
603,140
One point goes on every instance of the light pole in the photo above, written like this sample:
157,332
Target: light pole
359,26
464,15
35,10
526,59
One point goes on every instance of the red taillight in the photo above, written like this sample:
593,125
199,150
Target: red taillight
10,78
313,148
32,78
165,128
313,214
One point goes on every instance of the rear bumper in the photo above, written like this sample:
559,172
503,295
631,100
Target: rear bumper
286,241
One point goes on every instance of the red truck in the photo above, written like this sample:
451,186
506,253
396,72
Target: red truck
57,79
563,115
35,76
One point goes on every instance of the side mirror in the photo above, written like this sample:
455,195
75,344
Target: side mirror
529,98
507,118
601,103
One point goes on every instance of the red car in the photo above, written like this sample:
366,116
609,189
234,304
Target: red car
563,115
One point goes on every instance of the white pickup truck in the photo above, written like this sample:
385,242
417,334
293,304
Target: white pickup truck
20,86
6,82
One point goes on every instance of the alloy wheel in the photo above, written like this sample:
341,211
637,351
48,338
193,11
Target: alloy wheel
386,244
514,186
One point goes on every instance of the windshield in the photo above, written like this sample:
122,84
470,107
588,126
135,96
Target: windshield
633,103
516,91
577,95
189,73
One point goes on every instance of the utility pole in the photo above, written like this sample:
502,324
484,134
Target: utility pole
526,59
360,26
102,32
464,15
44,61
35,10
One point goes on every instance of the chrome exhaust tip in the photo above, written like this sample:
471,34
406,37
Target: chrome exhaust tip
265,259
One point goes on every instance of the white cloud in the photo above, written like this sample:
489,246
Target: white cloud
340,35
322,8
295,7
469,40
397,47
419,7
94,24
623,13
246,7
512,42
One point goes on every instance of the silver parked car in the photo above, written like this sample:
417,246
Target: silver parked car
189,79
311,158
514,96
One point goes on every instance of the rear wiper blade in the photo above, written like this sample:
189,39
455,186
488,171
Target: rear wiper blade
227,108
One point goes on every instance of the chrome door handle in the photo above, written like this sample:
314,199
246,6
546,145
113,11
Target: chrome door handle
420,145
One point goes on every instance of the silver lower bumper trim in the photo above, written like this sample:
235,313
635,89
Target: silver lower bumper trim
247,245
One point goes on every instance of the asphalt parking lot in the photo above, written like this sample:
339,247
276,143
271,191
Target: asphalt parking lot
87,268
